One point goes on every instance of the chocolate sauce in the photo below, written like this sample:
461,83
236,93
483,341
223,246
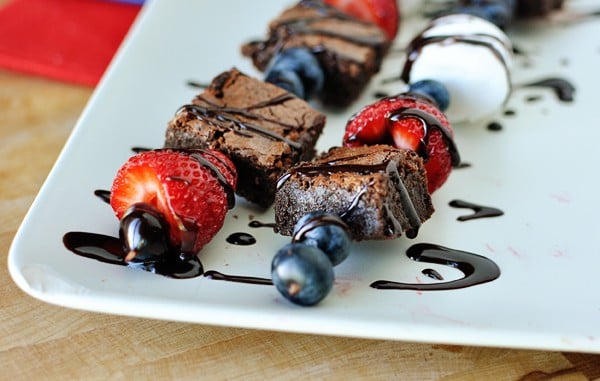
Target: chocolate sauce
563,89
481,211
228,118
198,155
103,195
476,268
137,149
241,239
258,224
197,85
510,112
533,98
494,126
109,249
429,122
431,273
418,43
316,222
237,278
464,165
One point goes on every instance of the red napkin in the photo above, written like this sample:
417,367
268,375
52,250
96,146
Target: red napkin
70,40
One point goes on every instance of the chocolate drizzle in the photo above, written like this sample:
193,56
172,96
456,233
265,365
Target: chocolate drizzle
476,268
315,222
429,122
563,89
228,118
480,210
110,250
212,274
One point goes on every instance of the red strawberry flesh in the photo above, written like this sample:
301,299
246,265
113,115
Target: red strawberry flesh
383,13
192,189
408,121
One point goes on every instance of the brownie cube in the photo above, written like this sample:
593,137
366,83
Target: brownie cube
348,50
262,128
379,191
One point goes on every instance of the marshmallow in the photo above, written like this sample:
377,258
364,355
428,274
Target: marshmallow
471,57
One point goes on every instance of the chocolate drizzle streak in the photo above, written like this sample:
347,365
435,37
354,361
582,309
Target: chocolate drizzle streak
211,274
476,268
415,47
563,89
228,118
480,210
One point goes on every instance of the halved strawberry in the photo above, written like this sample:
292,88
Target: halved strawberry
408,121
192,189
383,13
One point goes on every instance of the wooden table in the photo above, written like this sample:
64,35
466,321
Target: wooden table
41,341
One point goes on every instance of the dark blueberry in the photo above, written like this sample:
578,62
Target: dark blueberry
144,234
302,274
298,71
498,12
434,90
325,231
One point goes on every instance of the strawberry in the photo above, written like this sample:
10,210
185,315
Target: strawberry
191,189
408,121
383,13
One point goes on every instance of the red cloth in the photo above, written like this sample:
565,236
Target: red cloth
70,40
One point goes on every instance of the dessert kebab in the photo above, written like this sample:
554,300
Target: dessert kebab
257,139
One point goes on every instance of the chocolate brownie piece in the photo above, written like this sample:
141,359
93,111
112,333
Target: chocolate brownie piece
349,51
379,191
262,128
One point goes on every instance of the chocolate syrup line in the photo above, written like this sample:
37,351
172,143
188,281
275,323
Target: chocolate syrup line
481,211
431,273
355,200
215,275
476,268
428,121
197,155
224,118
258,224
315,222
418,43
563,89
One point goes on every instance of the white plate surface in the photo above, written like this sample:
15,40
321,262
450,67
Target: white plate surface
540,170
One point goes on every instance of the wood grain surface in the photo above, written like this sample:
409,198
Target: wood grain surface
42,341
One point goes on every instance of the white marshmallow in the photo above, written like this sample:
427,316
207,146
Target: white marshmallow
472,58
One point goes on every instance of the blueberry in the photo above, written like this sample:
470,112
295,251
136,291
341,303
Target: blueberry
298,71
302,274
325,231
499,12
144,234
434,90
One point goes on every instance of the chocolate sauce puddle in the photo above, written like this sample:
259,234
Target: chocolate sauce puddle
476,268
563,89
109,249
481,211
431,273
241,239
